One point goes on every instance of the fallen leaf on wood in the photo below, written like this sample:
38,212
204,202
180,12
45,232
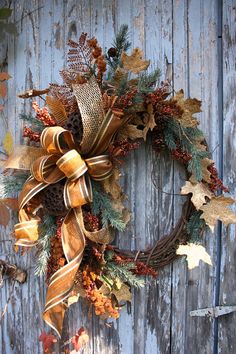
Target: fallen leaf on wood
4,214
80,339
195,253
4,76
1,107
218,209
8,143
199,193
48,341
3,89
134,62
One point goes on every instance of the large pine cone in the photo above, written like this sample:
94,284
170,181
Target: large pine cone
75,126
53,200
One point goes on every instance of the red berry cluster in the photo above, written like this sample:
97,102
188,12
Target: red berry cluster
126,100
181,155
92,222
140,267
29,133
216,183
43,115
122,147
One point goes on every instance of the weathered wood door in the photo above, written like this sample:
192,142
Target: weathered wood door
193,42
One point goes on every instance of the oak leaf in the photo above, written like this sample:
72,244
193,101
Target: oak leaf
4,76
218,209
123,293
130,131
199,193
8,143
80,339
48,341
134,62
195,253
189,106
150,123
3,89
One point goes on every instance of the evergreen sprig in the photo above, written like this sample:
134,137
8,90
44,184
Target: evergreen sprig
124,273
47,230
196,226
102,204
10,186
187,138
148,81
37,124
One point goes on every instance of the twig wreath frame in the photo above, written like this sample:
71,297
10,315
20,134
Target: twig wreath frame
70,199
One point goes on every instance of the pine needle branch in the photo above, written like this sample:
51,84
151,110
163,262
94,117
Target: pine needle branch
102,204
10,186
48,229
196,226
148,81
37,124
125,274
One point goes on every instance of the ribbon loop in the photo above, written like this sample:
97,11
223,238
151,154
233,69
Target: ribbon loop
44,169
57,140
77,193
99,167
72,165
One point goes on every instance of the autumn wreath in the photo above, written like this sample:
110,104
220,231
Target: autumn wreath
72,202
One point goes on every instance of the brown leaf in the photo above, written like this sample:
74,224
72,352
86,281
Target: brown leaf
134,62
3,89
195,253
199,193
4,214
218,209
120,75
1,107
130,131
11,203
4,76
57,110
189,106
111,185
151,123
123,294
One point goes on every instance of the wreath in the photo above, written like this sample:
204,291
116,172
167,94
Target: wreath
70,200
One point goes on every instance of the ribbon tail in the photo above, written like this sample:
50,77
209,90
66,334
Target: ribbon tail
61,282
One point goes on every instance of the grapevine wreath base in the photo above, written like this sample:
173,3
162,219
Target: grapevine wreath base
70,200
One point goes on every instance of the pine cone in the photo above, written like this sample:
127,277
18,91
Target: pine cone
53,199
75,126
158,140
112,52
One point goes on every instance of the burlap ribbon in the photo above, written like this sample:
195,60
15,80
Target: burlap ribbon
63,160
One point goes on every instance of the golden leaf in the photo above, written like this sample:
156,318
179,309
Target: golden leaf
206,174
134,62
72,299
111,185
150,124
195,253
123,294
130,131
57,109
8,143
120,75
199,193
189,107
23,156
4,76
218,209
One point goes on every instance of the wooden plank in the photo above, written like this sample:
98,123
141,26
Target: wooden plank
227,337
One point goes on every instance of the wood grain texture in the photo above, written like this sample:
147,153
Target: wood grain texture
182,38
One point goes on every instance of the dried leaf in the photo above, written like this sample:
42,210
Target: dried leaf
48,341
3,89
195,253
80,339
130,131
8,143
134,62
1,107
4,214
23,156
4,76
11,203
111,185
189,107
123,294
119,76
218,209
150,124
206,174
199,192
57,110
